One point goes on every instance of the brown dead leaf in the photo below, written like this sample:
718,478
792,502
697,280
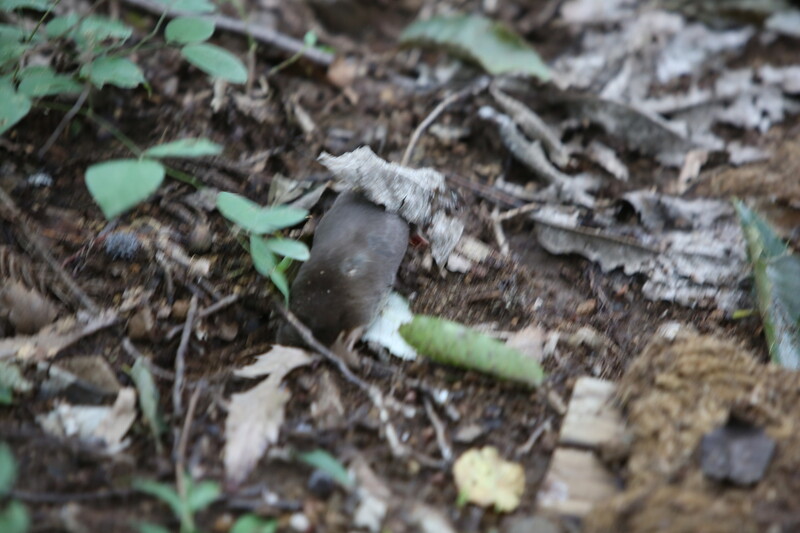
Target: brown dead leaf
28,310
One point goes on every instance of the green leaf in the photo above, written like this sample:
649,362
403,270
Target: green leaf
96,28
8,468
36,5
777,284
490,44
263,259
10,52
278,279
215,61
185,148
162,491
289,248
60,26
329,464
118,71
43,81
310,39
186,30
256,219
13,106
201,495
147,527
266,264
14,518
452,343
188,6
9,33
121,184
6,395
148,398
250,523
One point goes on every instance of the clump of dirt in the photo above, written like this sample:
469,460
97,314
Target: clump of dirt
674,393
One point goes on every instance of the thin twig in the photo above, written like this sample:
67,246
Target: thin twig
66,120
180,455
66,497
397,447
499,235
259,33
517,211
210,310
438,428
527,446
18,219
180,358
471,89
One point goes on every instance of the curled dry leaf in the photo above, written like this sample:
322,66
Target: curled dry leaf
533,126
531,154
484,478
418,195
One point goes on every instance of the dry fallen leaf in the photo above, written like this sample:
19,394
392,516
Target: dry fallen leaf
484,478
28,310
119,420
279,360
255,416
254,420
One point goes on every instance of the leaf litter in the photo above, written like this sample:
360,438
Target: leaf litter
644,112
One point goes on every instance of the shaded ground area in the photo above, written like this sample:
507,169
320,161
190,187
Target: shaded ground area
275,130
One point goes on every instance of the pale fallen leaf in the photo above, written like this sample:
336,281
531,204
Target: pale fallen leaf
484,478
254,420
374,496
55,337
279,360
119,420
530,340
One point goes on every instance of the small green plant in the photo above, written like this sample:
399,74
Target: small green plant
198,497
259,221
93,51
13,516
120,184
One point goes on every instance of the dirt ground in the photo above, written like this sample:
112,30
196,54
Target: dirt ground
69,487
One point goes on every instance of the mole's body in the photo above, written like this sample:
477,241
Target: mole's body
355,255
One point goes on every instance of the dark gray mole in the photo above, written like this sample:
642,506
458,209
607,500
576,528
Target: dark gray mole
355,255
